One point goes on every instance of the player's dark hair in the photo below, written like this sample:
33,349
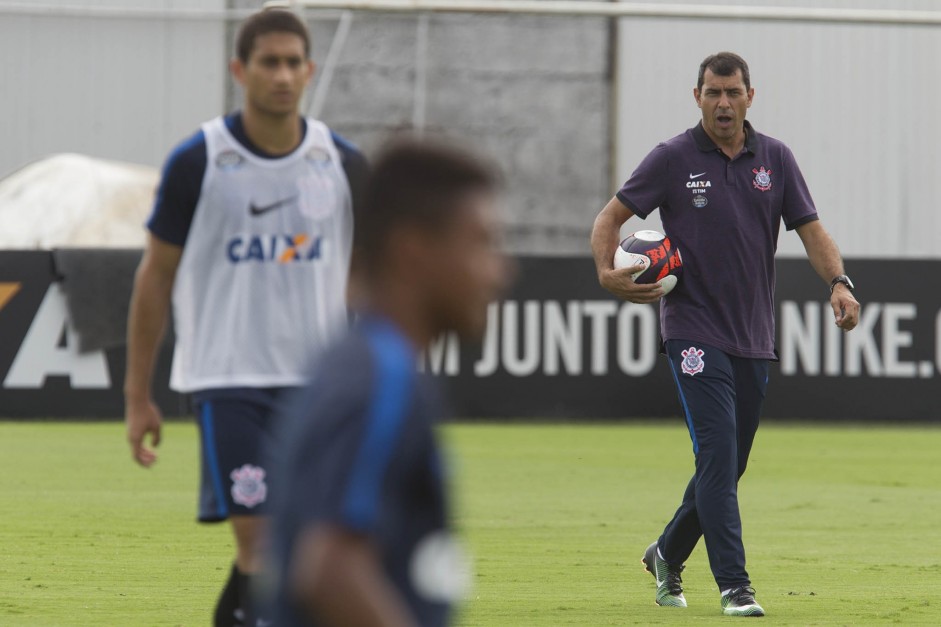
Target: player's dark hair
415,183
269,21
724,64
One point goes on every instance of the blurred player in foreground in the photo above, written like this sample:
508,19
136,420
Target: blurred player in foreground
361,531
251,234
722,189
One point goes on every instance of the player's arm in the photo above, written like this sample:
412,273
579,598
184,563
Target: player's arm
337,577
147,321
356,168
825,258
605,237
174,207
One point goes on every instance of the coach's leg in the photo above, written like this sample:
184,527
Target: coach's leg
705,379
751,383
682,533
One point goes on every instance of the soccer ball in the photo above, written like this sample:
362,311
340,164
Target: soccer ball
662,260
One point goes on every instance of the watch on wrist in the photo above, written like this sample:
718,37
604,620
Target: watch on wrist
845,280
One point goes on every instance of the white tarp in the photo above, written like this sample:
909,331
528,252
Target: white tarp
71,200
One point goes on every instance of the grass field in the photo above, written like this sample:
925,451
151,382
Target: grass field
842,524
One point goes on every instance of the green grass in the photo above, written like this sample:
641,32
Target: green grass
842,524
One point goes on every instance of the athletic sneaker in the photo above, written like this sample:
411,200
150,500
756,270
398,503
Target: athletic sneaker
741,602
669,582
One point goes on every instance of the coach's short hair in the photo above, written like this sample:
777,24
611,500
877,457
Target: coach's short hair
415,183
724,64
269,21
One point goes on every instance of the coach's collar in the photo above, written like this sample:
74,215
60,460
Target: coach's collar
705,144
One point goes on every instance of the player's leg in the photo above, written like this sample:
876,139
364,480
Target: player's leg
234,433
228,612
251,533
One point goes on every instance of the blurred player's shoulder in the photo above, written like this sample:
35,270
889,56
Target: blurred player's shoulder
347,149
178,193
189,154
354,163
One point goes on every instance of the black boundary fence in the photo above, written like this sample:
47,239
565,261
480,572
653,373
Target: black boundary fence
557,347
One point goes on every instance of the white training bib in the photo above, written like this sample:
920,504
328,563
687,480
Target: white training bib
261,286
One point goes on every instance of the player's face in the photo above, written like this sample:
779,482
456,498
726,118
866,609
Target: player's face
468,270
724,101
276,74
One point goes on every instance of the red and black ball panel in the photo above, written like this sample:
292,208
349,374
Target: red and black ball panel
662,261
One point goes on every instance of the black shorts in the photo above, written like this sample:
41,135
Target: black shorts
236,430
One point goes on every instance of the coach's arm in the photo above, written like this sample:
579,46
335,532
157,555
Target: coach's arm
825,257
605,237
147,321
336,576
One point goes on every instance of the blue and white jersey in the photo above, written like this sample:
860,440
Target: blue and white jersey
359,452
261,286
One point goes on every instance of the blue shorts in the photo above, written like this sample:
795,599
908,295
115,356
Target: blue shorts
236,429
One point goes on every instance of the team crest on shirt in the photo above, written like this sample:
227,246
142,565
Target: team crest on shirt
229,159
762,180
248,485
692,363
318,156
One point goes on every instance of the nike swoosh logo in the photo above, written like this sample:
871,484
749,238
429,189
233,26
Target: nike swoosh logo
255,210
696,176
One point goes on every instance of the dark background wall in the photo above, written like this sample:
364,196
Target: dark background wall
557,347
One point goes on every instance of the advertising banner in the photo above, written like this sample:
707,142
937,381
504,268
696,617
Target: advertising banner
557,347
45,371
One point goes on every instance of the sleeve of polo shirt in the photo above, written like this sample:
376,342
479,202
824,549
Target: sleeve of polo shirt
646,189
798,208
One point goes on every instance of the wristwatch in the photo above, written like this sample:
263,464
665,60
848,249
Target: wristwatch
845,280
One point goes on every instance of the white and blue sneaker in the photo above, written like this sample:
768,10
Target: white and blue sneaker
741,602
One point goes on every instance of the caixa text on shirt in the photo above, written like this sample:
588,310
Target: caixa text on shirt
275,248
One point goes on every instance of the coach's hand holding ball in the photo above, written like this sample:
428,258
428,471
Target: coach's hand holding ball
621,283
646,268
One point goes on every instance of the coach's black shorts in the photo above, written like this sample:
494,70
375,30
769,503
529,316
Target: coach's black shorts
236,427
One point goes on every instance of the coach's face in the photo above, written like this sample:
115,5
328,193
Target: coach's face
468,270
724,101
276,73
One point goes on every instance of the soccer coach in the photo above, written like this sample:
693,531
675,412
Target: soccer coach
722,189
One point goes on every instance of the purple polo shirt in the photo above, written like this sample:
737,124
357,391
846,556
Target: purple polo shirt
724,215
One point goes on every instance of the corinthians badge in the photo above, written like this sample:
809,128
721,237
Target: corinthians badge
762,180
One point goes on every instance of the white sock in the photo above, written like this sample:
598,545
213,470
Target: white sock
725,592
